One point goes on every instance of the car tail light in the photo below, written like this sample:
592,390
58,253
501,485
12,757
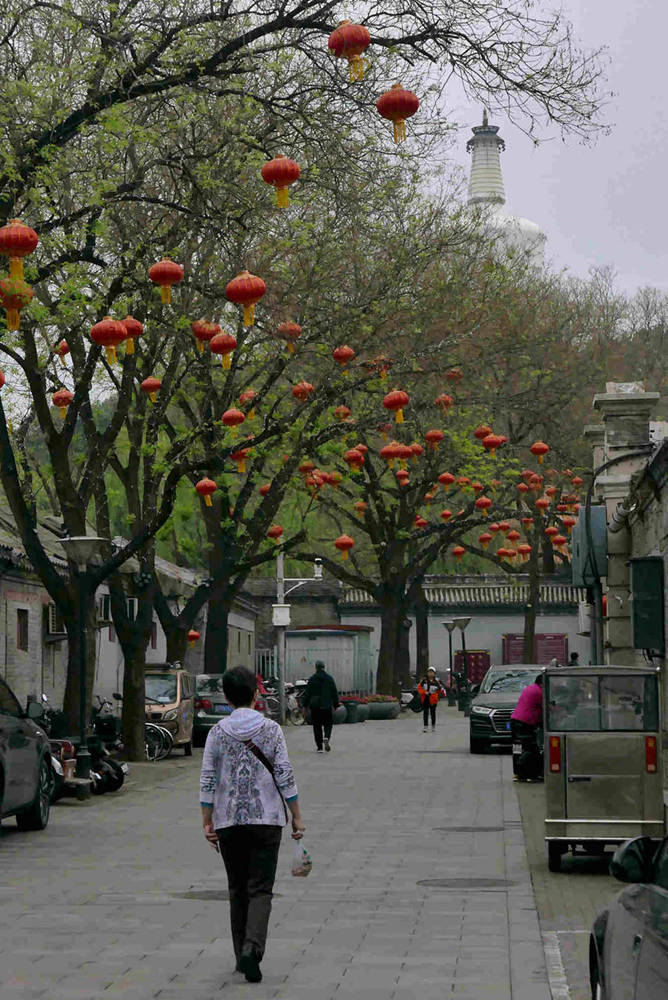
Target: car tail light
650,754
203,703
555,754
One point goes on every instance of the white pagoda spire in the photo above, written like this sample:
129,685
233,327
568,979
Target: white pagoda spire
486,180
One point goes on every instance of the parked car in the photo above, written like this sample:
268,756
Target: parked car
211,705
26,776
494,702
170,697
628,947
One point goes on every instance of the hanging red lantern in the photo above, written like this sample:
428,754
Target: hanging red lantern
485,539
463,482
333,478
390,453
444,402
504,526
151,386
527,522
275,532
552,531
240,457
491,443
206,487
62,399
281,172
434,438
527,474
416,450
420,522
343,355
522,488
494,483
396,401
513,535
344,544
15,295
446,479
481,432
524,551
166,273
363,448
454,375
354,458
246,397
483,504
342,413
109,333
264,489
134,329
16,242
223,344
542,503
429,497
577,481
552,474
503,553
403,477
307,467
477,487
290,333
446,514
569,523
404,454
302,391
233,418
536,484
559,541
494,528
62,350
246,290
385,430
458,552
511,555
397,105
193,637
204,332
539,450
360,507
350,41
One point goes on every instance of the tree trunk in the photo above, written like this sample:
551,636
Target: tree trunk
177,643
72,687
216,642
421,609
531,608
403,660
134,701
388,653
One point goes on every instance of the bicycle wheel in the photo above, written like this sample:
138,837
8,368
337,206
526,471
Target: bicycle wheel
273,707
154,741
167,742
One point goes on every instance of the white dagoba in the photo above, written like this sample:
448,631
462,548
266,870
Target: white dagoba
486,192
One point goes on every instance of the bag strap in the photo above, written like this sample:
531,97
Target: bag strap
255,750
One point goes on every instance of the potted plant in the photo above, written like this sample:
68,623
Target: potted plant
350,701
363,710
339,715
383,706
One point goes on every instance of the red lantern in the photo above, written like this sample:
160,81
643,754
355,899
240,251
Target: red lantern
551,491
151,386
483,504
429,497
494,528
390,453
193,637
360,507
350,41
363,448
204,332
434,438
385,430
397,105
539,450
511,555
302,391
569,523
166,273
524,551
542,503
446,479
233,417
223,344
559,541
454,375
527,522
109,333
513,535
522,488
485,539
491,443
134,329
342,355
481,432
354,458
446,514
477,487
264,489
307,467
275,532
396,401
503,553
206,487
344,544
281,172
240,457
577,481
463,482
495,483
246,290
552,531
2,379
16,242
416,450
420,522
444,401
62,349
248,396
504,526
62,400
342,413
403,477
290,333
458,552
15,295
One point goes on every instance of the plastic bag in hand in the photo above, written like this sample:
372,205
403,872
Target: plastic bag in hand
301,860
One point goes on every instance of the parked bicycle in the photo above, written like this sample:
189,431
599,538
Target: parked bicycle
294,712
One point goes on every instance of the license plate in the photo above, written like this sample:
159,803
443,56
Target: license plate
223,709
508,726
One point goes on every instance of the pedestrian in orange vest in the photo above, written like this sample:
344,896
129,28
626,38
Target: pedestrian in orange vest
430,690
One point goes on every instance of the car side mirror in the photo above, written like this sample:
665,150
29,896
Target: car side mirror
35,710
116,696
475,690
632,861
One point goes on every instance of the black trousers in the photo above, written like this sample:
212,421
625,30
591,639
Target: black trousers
250,854
322,720
530,762
428,710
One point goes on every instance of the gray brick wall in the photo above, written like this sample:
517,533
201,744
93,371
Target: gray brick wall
303,611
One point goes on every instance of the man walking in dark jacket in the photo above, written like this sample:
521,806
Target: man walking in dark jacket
321,696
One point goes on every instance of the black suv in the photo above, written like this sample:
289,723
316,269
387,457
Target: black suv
494,702
26,777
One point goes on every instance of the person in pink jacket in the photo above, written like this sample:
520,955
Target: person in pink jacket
524,724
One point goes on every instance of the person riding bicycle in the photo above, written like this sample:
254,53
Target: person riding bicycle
322,698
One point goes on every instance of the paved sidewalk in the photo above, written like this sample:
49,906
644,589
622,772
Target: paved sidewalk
121,897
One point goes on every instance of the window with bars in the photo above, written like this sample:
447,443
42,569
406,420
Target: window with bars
22,629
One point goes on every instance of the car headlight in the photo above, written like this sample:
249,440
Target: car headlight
171,715
480,710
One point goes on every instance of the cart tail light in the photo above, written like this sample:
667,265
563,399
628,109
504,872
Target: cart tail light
650,754
555,754
203,703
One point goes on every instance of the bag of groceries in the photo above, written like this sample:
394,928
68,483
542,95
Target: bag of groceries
301,860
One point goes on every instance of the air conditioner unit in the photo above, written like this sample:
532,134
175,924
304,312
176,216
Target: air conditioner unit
104,609
133,608
584,618
54,622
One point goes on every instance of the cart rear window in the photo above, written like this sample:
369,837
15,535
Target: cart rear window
602,704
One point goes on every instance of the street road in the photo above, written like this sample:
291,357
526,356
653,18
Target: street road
121,896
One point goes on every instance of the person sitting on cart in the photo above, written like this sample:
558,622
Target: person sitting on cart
524,724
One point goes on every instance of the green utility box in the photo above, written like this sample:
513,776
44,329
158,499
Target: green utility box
648,604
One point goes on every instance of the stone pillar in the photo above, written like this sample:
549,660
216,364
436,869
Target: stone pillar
625,410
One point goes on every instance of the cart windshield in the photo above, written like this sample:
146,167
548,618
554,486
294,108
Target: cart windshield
599,704
161,688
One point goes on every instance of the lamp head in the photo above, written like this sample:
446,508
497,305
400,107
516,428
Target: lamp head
461,623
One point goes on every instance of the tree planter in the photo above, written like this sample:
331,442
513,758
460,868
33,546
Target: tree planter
340,715
351,711
383,709
363,713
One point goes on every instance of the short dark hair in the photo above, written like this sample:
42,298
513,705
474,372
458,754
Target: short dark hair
239,685
319,665
539,679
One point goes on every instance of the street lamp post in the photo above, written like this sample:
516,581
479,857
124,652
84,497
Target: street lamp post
462,689
80,549
450,627
281,620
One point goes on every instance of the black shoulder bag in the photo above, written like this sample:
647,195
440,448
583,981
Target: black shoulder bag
255,750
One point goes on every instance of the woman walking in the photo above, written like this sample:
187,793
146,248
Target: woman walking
429,689
247,791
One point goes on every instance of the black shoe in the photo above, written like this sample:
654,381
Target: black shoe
250,966
327,746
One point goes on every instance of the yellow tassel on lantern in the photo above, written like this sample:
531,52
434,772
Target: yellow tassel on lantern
16,268
291,347
383,374
344,554
63,411
399,417
62,361
241,466
111,355
357,66
207,500
12,319
249,314
402,463
200,347
282,197
130,346
227,362
541,459
251,415
153,396
390,463
399,131
166,294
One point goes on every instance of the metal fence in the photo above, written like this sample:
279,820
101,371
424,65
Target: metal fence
266,662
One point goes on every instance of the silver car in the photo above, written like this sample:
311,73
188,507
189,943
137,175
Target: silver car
26,777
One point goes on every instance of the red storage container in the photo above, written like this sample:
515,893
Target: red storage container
477,664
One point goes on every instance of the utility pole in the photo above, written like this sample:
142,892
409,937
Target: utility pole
281,622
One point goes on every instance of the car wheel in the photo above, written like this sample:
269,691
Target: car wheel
477,745
188,749
554,852
36,817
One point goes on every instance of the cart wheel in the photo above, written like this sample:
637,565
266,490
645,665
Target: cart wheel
188,749
554,852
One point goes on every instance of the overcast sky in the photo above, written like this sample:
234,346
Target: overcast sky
606,202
